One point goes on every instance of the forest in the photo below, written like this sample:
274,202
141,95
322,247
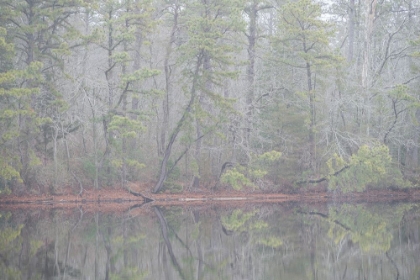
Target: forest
188,94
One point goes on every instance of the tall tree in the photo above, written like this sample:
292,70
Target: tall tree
208,24
303,45
253,34
121,23
15,106
41,30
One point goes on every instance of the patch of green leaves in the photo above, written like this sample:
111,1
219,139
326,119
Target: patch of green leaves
245,176
369,165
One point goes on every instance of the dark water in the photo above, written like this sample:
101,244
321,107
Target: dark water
283,241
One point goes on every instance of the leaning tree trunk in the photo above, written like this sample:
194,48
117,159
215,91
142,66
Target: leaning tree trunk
163,173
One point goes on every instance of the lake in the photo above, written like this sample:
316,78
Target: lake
263,241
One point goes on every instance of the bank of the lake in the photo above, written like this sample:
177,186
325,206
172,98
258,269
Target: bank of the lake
120,199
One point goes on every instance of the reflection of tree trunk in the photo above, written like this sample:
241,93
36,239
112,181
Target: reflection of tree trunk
394,265
96,246
84,262
164,228
313,253
125,245
69,235
165,266
108,261
110,266
416,235
199,249
326,217
44,274
57,267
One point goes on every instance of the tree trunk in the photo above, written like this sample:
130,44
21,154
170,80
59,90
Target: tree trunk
199,133
55,156
415,156
250,69
312,124
369,20
168,84
351,24
163,173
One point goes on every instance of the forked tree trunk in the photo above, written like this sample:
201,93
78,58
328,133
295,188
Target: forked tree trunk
163,173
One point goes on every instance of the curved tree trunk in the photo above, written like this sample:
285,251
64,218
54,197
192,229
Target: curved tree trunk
164,166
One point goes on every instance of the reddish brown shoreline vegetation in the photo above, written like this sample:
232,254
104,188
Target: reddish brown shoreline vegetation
119,199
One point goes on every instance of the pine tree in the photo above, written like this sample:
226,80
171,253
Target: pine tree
302,44
15,106
41,32
119,24
206,56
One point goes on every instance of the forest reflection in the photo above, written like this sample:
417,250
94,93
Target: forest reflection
284,241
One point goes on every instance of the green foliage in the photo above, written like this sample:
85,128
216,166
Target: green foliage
245,176
14,104
35,246
208,26
134,164
120,243
30,85
368,166
9,240
302,57
45,83
237,220
117,27
129,273
368,229
305,35
195,234
236,179
89,168
125,127
7,236
270,156
139,75
259,230
173,180
272,241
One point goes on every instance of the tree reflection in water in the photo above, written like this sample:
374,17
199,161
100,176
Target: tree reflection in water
287,241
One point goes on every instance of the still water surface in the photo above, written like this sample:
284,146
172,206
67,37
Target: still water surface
281,241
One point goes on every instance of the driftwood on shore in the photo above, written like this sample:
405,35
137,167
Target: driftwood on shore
146,199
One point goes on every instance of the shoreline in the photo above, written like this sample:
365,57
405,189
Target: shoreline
122,198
